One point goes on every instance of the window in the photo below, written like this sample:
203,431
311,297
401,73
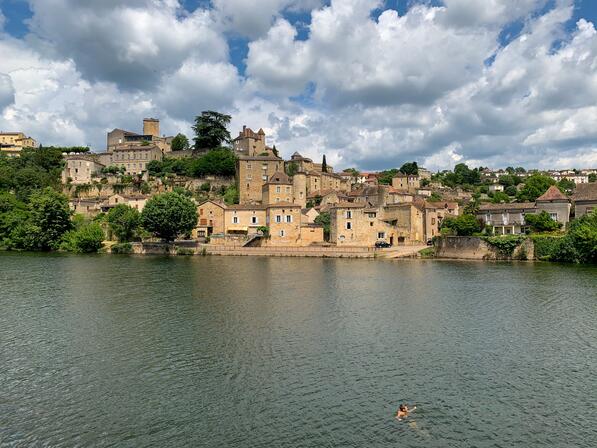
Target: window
264,177
381,235
248,166
432,221
282,233
249,177
200,212
348,214
348,225
235,220
264,166
253,219
288,218
278,189
278,218
371,224
287,189
553,216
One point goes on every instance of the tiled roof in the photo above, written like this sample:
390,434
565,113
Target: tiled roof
279,178
510,206
264,158
245,207
585,192
283,204
553,193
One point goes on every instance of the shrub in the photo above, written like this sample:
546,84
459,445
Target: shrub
546,246
205,187
87,238
463,225
505,244
542,222
122,248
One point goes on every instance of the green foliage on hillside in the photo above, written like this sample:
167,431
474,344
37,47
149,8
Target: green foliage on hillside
385,177
535,186
219,162
180,143
211,130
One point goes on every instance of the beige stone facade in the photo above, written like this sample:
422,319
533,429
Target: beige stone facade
243,219
119,138
252,172
12,143
284,222
134,159
210,219
585,199
249,143
277,189
80,169
406,182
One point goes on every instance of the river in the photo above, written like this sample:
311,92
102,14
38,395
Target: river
291,352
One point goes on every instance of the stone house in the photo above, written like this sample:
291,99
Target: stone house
304,164
244,218
284,222
252,173
585,199
249,143
210,218
88,207
557,204
493,188
134,201
277,189
119,138
308,215
80,169
133,158
406,182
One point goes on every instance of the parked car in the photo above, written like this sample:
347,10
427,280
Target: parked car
382,244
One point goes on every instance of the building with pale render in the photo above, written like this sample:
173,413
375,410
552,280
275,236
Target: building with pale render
12,143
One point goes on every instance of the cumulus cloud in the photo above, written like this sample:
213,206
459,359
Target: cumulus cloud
130,43
253,18
375,88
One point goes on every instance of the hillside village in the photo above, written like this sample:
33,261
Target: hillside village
247,195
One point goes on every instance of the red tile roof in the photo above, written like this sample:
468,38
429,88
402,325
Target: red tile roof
553,193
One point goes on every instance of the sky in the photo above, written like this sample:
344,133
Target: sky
370,83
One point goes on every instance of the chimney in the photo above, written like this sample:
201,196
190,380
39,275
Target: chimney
151,126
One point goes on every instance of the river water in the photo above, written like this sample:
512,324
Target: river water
289,352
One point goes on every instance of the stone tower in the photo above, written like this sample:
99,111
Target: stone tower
151,126
299,188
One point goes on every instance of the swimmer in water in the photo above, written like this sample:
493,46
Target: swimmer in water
403,411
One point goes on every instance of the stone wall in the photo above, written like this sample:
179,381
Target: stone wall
475,248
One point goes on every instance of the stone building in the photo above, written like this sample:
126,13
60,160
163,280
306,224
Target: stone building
249,143
585,199
252,172
12,143
119,138
81,168
406,182
306,164
210,218
243,219
557,204
134,159
277,189
284,222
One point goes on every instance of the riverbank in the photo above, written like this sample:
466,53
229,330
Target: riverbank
195,248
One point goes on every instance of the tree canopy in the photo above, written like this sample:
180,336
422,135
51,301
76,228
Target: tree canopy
463,225
169,215
541,222
123,221
410,168
535,186
211,130
180,143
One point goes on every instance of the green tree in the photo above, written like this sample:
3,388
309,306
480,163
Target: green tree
499,197
324,165
511,190
211,130
592,177
231,195
535,186
12,213
49,218
180,143
583,237
541,222
566,185
292,168
385,177
463,225
123,221
324,220
409,168
169,215
219,162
